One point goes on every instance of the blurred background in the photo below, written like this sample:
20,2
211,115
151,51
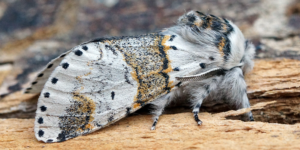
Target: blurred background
32,32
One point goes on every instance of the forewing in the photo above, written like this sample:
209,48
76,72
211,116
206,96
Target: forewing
100,82
86,91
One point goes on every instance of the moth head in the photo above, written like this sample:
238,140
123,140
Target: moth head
200,21
221,35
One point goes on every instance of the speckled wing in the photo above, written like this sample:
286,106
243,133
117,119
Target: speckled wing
100,82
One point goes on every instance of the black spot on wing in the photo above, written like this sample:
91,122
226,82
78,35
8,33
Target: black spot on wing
63,55
78,52
47,95
65,65
202,65
176,69
40,75
33,83
43,108
85,47
54,80
174,47
49,141
112,95
40,120
41,133
49,66
172,37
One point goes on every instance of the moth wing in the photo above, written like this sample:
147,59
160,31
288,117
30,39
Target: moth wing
94,90
39,82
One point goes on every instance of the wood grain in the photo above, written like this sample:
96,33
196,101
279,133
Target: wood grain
175,131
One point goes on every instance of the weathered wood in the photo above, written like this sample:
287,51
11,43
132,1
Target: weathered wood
176,131
4,71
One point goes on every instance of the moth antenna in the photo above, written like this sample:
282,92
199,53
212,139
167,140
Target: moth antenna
204,75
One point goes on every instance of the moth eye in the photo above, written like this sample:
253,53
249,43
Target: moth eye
202,65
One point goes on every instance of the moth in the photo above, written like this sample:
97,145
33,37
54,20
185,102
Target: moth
99,82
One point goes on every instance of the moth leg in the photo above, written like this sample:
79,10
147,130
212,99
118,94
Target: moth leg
245,104
159,106
197,101
237,91
196,111
201,92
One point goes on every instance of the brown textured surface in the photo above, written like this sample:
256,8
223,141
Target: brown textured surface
176,131
4,71
274,78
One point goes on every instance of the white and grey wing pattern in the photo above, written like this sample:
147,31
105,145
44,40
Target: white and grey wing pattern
100,82
90,88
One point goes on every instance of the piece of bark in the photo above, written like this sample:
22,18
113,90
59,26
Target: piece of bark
4,71
274,78
27,66
18,105
175,131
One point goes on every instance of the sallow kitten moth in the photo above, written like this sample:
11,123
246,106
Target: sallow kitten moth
101,81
